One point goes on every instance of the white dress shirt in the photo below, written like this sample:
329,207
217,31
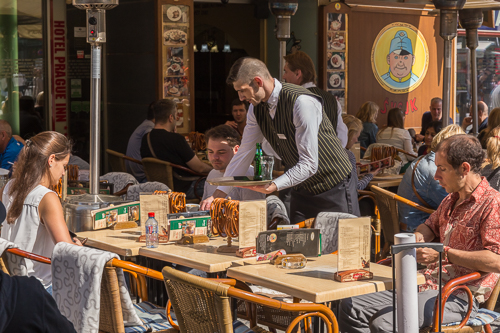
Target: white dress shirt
341,127
307,116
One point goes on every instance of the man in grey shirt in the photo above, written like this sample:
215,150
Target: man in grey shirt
134,145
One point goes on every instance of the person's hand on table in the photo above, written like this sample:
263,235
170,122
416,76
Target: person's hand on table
233,124
419,137
205,204
427,256
419,238
375,172
266,189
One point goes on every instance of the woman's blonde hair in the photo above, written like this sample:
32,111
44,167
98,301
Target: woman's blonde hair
493,122
354,125
368,112
32,165
445,133
493,149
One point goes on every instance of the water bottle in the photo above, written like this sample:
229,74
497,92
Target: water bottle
151,231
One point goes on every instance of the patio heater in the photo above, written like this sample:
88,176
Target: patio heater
471,20
283,10
448,31
78,208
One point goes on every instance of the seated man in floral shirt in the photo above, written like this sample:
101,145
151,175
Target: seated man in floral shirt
467,223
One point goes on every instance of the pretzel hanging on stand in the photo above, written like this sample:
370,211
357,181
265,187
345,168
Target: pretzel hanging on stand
225,221
176,200
197,141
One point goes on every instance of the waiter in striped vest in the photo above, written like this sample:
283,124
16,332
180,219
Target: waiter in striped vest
292,120
299,70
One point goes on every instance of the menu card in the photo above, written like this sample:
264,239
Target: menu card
354,244
157,204
253,219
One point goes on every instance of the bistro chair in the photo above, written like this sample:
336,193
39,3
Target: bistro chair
116,161
164,172
376,225
203,305
110,313
389,217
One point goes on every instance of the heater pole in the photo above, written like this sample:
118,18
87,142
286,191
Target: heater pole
95,117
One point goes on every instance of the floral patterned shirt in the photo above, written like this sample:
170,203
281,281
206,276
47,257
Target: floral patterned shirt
473,225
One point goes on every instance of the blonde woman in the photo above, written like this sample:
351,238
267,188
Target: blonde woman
368,115
493,121
355,126
491,167
422,171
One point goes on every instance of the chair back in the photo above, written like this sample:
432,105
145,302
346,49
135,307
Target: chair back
158,171
110,314
200,305
492,301
116,161
388,210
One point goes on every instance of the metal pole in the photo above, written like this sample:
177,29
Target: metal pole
95,116
471,20
282,61
446,81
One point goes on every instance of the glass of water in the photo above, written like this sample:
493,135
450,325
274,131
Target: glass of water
267,163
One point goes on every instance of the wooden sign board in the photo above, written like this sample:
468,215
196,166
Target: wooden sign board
305,241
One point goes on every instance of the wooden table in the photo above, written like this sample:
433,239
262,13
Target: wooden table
122,242
203,256
314,283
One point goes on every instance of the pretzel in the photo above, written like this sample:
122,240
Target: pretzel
225,217
197,141
176,200
73,171
57,188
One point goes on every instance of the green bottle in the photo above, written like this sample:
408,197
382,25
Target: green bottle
257,165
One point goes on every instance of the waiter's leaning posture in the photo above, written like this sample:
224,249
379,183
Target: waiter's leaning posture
292,120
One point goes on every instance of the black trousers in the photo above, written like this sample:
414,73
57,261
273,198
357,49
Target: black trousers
342,198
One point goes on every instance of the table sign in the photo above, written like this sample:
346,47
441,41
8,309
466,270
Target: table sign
353,260
253,220
109,216
305,241
187,224
158,204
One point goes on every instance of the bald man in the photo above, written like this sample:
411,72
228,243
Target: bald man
482,116
9,146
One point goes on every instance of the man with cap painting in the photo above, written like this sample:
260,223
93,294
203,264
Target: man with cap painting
400,60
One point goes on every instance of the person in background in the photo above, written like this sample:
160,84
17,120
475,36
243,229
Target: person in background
29,122
482,115
493,121
396,135
433,129
35,220
239,110
491,166
134,145
435,114
430,193
164,144
222,144
39,105
299,70
368,115
466,222
9,146
355,127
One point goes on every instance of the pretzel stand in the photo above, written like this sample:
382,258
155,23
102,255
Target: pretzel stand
225,221
176,200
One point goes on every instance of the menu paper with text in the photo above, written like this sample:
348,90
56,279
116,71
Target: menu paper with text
253,219
157,204
354,244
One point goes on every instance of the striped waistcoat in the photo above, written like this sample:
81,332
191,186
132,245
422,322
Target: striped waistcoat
329,105
333,164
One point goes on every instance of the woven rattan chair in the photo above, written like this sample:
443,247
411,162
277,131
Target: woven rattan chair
388,210
164,172
116,161
203,305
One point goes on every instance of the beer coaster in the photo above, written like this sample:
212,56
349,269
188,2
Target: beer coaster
237,181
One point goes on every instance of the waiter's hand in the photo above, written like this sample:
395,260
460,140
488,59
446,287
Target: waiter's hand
427,256
266,189
233,124
205,204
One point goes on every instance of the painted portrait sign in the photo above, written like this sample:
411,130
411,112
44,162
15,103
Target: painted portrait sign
400,58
